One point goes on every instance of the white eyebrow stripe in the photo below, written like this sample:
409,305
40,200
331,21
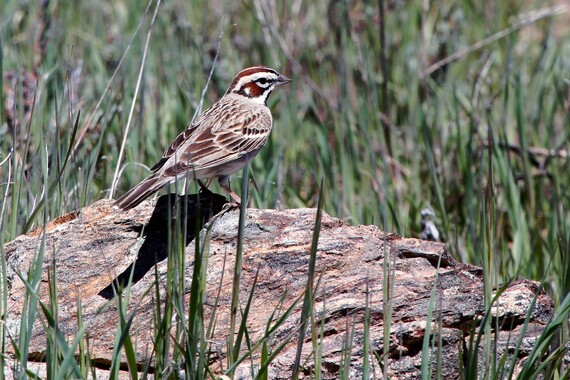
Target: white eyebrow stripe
254,77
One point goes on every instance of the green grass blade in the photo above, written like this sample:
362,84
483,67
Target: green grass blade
308,299
55,183
237,269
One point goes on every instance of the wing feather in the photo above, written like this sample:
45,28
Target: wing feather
213,141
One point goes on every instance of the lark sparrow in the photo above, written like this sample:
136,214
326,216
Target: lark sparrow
220,141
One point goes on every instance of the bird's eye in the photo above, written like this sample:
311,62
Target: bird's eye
262,81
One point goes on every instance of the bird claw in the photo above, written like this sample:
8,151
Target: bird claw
230,206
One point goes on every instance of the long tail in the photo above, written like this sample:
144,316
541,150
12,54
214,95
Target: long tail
141,191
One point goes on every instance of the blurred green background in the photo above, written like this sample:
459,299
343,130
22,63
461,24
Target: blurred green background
464,108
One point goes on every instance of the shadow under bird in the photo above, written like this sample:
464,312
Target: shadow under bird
220,141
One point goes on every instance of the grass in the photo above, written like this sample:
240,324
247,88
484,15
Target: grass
474,97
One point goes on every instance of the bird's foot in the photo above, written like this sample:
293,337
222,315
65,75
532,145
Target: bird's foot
230,206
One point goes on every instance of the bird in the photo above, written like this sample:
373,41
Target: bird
220,141
429,230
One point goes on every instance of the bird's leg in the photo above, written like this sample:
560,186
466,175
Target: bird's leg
225,184
203,186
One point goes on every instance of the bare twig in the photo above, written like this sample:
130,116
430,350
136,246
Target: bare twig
559,152
89,120
137,88
297,68
384,69
8,183
534,17
203,94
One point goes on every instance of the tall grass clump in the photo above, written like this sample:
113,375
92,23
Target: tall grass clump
455,74
459,106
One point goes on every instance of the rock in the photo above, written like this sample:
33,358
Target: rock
97,247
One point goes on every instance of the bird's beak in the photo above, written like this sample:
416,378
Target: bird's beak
282,79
